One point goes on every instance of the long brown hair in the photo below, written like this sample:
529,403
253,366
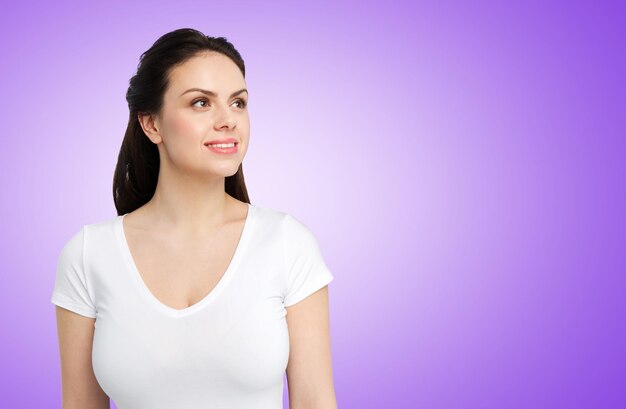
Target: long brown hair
137,169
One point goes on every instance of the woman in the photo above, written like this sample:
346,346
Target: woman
191,297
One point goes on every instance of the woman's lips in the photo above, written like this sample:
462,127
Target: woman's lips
226,151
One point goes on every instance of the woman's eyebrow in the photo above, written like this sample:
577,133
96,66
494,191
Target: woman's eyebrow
211,93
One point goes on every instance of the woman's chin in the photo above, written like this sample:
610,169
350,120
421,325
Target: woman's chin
222,171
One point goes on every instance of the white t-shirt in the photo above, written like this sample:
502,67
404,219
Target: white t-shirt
229,350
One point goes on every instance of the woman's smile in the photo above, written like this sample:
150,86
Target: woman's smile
223,148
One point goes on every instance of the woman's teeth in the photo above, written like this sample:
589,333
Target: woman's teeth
223,145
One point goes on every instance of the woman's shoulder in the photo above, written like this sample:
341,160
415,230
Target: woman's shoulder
281,220
99,234
105,223
102,229
268,213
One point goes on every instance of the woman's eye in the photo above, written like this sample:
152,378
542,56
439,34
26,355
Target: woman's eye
200,100
242,103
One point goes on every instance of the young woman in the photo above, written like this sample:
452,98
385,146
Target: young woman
191,297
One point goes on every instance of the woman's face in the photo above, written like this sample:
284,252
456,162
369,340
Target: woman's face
192,118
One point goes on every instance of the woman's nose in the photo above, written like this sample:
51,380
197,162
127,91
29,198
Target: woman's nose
226,120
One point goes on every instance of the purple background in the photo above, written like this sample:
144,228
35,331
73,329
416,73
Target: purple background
461,164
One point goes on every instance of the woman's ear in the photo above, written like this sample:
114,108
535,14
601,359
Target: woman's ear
150,126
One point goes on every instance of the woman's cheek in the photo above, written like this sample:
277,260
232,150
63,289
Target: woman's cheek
183,126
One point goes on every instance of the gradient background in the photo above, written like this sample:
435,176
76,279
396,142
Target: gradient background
461,164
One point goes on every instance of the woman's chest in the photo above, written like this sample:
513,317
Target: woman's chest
181,280
227,348
180,273
233,342
236,342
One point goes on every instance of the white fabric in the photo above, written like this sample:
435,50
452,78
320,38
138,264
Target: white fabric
229,350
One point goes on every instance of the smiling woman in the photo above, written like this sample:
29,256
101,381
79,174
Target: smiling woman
191,297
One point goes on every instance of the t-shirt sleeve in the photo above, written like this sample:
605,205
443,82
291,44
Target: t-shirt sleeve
70,287
306,270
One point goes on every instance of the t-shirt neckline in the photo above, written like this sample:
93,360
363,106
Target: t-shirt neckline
212,295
